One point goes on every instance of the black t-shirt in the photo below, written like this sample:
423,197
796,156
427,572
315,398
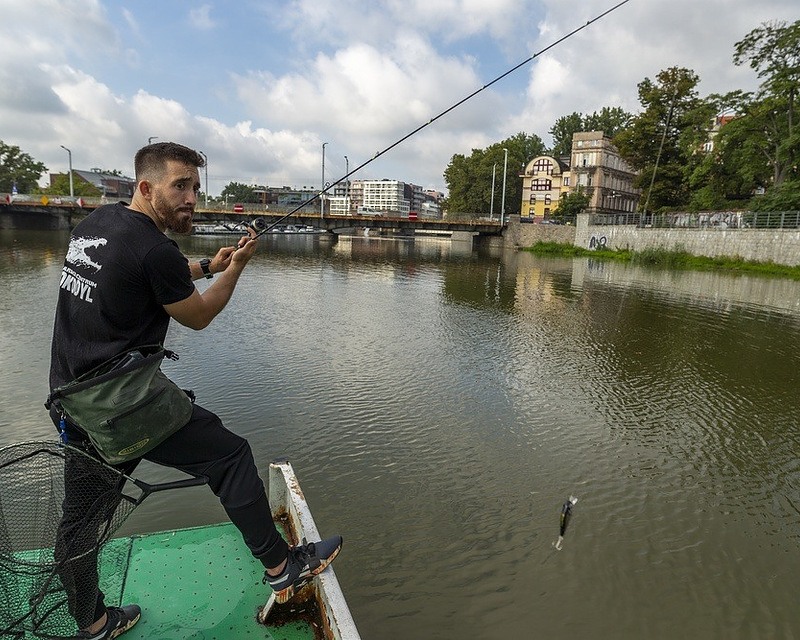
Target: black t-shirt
119,272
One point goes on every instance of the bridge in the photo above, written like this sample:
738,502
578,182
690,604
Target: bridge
35,215
341,224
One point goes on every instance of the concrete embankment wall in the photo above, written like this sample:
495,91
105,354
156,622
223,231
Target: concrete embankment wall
519,236
781,246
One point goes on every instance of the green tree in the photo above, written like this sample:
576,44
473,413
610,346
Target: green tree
661,143
785,197
17,167
562,132
609,120
571,204
773,50
59,186
469,178
238,192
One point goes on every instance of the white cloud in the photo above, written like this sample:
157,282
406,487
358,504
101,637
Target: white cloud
284,77
200,18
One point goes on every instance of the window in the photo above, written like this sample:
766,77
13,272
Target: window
566,181
540,184
547,200
543,165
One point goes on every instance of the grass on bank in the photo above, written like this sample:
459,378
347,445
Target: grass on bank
662,258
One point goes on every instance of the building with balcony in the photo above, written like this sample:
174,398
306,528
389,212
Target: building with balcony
599,170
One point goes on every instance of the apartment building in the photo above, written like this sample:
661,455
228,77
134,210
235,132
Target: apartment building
385,195
394,197
599,170
544,180
594,166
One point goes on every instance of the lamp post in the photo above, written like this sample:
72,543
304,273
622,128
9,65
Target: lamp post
71,185
491,205
347,186
503,203
205,166
151,138
322,186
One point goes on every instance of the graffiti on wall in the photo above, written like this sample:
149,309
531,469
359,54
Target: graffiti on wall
598,242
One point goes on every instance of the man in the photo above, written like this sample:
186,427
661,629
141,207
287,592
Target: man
123,280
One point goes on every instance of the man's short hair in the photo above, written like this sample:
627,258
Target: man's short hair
152,159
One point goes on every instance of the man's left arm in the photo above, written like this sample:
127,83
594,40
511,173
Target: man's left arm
199,309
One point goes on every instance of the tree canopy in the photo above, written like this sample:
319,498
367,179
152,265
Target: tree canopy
18,168
59,186
609,120
239,192
469,178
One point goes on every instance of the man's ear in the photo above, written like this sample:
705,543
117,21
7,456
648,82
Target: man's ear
145,188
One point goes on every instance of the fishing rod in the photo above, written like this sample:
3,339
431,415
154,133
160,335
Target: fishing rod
261,227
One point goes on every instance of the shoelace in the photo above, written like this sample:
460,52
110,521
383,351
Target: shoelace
305,554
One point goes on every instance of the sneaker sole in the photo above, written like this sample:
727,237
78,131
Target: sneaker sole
120,630
284,595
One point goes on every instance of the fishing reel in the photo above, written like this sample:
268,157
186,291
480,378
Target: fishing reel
258,225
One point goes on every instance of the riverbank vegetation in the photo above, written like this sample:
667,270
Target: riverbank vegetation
664,259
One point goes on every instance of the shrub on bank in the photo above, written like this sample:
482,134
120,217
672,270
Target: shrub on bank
664,259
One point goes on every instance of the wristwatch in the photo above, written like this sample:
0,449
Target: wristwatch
205,265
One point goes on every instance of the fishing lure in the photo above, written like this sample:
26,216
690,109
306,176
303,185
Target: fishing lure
566,514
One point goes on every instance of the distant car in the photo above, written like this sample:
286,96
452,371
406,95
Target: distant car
238,208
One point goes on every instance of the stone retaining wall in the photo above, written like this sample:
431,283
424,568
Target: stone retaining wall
781,246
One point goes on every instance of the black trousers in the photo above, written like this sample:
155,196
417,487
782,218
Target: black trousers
202,447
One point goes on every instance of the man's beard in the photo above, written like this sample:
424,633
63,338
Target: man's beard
173,220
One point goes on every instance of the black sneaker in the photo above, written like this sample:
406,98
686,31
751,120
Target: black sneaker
120,619
304,562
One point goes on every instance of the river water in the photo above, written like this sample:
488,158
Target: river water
440,404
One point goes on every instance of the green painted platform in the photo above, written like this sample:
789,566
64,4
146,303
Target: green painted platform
192,584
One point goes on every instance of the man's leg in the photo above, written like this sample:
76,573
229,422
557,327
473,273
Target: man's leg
205,447
91,496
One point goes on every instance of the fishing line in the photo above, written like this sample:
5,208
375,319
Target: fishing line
325,189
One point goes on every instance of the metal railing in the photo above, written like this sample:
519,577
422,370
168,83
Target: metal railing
703,220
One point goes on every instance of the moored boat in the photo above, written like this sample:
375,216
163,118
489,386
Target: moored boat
218,229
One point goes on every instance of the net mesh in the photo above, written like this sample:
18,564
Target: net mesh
58,507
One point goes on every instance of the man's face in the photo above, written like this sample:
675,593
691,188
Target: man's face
174,196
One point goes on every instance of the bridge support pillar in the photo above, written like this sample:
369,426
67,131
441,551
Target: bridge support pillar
462,236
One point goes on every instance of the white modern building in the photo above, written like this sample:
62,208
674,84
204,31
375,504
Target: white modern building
385,195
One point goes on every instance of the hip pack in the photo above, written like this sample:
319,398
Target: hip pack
126,405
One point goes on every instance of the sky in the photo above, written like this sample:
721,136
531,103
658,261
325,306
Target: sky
260,86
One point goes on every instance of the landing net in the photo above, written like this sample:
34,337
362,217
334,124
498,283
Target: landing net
58,507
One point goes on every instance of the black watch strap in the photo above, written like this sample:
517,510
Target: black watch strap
205,265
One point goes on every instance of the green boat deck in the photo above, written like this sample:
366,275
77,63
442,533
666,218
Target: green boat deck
200,584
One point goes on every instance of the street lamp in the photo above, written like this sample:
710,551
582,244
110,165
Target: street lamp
71,185
151,138
503,203
491,205
347,185
206,168
322,186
